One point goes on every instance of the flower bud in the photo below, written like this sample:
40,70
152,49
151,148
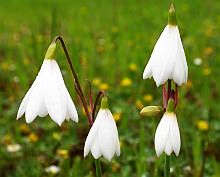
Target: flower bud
150,111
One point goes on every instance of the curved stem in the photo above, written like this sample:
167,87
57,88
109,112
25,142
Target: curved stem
167,166
82,97
84,106
90,97
76,80
96,102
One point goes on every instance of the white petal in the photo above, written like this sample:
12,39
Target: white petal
161,135
24,102
92,135
103,137
164,55
180,71
95,149
43,111
117,148
148,71
54,92
175,135
107,134
71,109
32,103
35,101
168,147
168,59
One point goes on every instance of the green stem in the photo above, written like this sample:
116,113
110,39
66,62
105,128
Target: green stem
167,166
98,168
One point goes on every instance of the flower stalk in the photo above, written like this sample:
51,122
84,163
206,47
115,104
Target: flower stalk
168,67
76,80
89,114
167,166
98,168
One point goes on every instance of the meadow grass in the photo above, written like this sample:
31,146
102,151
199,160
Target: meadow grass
110,43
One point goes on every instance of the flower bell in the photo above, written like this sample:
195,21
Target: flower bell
167,136
168,60
48,94
102,139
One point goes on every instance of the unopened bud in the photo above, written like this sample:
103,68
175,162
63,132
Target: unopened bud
151,111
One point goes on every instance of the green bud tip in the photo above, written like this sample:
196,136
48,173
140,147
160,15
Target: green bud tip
50,54
104,103
172,15
150,111
170,106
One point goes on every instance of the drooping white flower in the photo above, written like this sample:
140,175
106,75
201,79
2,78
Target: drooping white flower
102,139
168,60
48,94
167,136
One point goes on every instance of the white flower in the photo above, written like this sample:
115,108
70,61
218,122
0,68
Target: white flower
197,61
167,136
13,148
53,169
102,139
48,95
168,60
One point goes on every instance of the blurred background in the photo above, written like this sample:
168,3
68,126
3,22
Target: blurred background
110,43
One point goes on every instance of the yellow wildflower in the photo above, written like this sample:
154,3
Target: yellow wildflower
130,43
148,98
114,29
63,153
202,125
132,67
207,71
126,82
139,104
208,51
26,61
209,32
84,112
103,86
189,84
5,66
115,166
6,139
96,81
33,137
100,49
56,136
24,129
39,38
117,116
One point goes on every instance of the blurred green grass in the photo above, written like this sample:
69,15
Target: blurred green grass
108,42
